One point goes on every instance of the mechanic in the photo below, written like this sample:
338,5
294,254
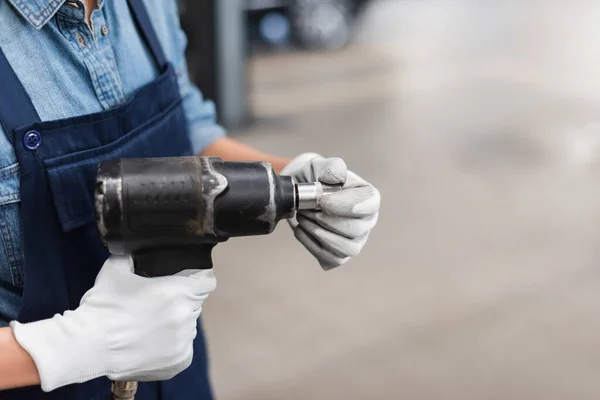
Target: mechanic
85,81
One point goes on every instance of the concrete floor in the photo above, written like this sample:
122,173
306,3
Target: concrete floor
482,279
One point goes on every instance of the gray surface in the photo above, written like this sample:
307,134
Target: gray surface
482,280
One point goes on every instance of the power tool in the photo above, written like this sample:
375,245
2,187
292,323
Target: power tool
169,213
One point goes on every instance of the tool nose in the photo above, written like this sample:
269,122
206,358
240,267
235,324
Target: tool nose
310,195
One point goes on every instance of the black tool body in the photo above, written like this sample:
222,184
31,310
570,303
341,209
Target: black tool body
169,213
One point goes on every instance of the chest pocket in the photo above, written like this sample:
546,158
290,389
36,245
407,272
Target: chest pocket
11,247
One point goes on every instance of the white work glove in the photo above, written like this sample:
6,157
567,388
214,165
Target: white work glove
127,328
340,230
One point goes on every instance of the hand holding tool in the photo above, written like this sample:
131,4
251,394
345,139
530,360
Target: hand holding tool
347,217
115,324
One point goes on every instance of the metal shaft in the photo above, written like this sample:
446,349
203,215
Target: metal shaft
310,195
124,390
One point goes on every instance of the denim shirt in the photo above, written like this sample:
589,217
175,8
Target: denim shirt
69,70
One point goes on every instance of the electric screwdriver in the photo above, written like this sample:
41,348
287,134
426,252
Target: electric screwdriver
169,213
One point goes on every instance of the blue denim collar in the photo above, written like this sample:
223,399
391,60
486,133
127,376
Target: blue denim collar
39,12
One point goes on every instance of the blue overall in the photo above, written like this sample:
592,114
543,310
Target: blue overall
58,162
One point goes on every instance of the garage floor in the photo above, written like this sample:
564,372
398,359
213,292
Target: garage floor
482,280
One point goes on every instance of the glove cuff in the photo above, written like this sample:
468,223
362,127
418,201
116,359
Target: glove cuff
66,349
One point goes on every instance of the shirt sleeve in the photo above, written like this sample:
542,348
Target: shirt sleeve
200,113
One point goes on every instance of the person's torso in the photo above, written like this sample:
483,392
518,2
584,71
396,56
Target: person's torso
67,71
53,224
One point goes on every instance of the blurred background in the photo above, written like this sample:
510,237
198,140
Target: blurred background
479,121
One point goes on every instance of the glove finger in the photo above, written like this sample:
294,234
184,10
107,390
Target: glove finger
298,167
326,259
331,171
353,181
351,228
337,244
309,171
352,203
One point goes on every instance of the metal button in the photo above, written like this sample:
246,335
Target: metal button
80,39
32,140
104,30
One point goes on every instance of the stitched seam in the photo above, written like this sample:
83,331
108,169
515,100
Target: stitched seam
92,60
31,14
9,199
107,76
112,74
16,270
108,63
7,172
11,255
89,61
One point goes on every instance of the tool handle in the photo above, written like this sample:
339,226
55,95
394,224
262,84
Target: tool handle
164,262
170,261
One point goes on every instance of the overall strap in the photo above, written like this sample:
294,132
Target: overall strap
142,20
16,108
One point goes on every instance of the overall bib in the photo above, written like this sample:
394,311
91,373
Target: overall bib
58,162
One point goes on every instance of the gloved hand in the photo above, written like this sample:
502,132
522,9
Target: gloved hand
341,229
127,327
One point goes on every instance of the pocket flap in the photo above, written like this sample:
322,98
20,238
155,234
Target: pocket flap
72,188
72,177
